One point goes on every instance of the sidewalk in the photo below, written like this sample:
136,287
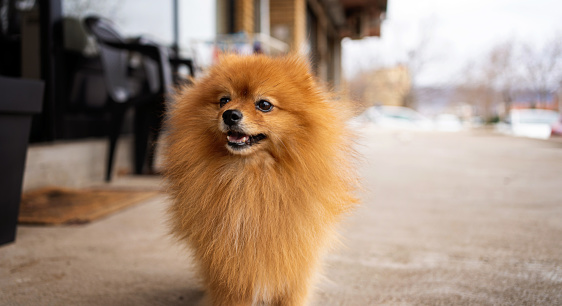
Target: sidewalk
451,219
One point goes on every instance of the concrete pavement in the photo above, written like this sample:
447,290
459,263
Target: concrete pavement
447,219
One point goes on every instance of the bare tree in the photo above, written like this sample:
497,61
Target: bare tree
543,67
498,77
418,58
476,90
502,72
508,69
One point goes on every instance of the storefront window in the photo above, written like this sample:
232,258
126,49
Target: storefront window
132,17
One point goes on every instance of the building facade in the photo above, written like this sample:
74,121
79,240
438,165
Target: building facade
312,27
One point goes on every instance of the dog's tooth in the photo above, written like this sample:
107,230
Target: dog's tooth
237,139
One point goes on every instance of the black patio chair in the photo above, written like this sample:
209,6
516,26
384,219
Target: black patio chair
148,104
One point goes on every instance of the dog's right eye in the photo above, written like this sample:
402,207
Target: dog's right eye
223,101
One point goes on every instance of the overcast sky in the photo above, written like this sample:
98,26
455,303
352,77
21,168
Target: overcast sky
458,30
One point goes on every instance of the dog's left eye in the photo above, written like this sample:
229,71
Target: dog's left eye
264,106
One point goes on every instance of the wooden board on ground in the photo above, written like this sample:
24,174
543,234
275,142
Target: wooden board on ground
54,205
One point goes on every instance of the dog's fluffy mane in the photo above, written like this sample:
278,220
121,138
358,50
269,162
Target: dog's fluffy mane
257,223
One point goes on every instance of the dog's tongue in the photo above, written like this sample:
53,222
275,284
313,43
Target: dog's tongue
237,138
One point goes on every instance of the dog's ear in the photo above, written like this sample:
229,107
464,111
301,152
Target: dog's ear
299,69
299,62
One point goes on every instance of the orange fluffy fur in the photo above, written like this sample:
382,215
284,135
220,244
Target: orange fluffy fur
258,219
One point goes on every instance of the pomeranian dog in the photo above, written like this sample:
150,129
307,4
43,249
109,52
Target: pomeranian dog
258,166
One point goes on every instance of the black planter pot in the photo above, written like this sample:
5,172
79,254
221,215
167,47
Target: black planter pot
19,100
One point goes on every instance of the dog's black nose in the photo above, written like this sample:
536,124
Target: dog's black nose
232,117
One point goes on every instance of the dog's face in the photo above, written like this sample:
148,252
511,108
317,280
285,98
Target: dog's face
261,104
244,121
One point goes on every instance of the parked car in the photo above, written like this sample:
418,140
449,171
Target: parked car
533,123
448,123
398,118
556,127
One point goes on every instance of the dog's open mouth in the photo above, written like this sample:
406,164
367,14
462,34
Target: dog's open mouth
240,141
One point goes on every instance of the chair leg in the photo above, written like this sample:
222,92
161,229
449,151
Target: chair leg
157,118
116,124
142,134
148,122
152,151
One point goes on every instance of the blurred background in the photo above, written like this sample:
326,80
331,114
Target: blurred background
458,124
480,62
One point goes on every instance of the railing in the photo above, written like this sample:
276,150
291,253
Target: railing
205,52
254,43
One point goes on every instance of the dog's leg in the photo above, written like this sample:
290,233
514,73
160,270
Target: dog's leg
298,297
229,301
222,297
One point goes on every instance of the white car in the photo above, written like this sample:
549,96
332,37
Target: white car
448,123
398,118
533,123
